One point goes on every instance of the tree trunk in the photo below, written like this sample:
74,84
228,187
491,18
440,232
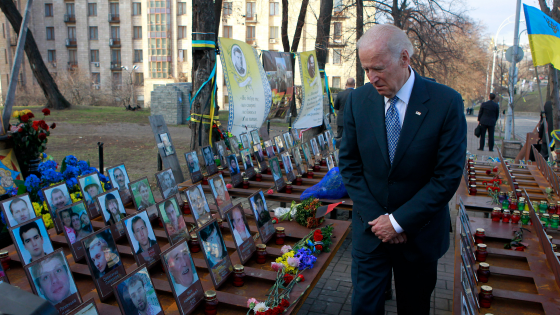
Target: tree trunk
284,27
203,63
323,33
55,99
360,76
218,17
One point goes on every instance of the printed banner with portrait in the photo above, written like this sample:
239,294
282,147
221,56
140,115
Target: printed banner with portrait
280,75
311,111
248,89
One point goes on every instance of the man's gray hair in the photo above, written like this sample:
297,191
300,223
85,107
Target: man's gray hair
395,39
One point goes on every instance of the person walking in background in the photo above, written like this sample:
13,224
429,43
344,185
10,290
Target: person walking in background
339,106
487,116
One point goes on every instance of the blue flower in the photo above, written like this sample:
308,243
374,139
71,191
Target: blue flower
306,259
71,172
83,165
108,186
12,191
41,196
103,178
51,176
71,183
47,165
32,183
71,160
3,219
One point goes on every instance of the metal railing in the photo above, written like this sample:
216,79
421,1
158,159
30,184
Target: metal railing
114,18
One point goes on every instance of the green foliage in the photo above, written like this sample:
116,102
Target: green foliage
327,237
307,209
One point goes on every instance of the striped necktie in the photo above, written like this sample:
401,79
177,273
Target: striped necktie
393,126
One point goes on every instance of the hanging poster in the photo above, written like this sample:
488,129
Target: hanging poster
248,89
311,111
280,75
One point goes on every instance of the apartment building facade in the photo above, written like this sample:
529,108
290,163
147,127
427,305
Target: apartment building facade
114,42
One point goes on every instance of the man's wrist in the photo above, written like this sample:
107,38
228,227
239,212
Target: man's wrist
395,224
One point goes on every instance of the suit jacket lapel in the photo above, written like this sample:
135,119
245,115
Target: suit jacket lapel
416,111
377,118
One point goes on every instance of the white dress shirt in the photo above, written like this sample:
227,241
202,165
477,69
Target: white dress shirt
404,96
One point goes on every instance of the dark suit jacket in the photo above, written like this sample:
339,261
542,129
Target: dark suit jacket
339,103
426,170
489,113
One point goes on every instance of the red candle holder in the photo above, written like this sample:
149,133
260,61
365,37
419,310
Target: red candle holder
317,167
515,217
299,181
472,182
483,272
261,254
496,215
205,179
258,177
518,193
485,296
558,207
186,207
479,236
280,235
221,170
281,164
551,208
310,173
506,216
245,183
472,190
238,275
515,185
472,176
481,252
268,171
211,305
5,259
323,162
495,169
289,187
513,204
160,222
194,245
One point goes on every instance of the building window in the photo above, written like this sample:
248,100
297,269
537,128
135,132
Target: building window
338,7
139,78
48,9
93,32
137,32
3,31
336,82
138,56
50,33
115,32
115,55
181,8
251,10
92,9
337,35
274,8
182,55
136,8
117,79
114,8
6,57
227,31
337,56
274,32
73,56
250,34
159,70
72,32
94,56
51,55
228,6
182,32
95,78
70,9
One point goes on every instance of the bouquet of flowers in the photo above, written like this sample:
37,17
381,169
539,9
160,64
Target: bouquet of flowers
30,136
305,212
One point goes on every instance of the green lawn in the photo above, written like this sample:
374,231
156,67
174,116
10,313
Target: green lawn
94,115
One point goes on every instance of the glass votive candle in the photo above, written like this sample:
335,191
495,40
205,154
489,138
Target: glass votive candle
496,215
481,252
518,193
543,206
211,305
280,235
472,190
551,208
521,204
269,171
289,187
323,161
205,179
310,173
525,217
555,248
515,184
5,260
502,196
472,182
221,170
558,207
479,236
186,208
472,176
194,245
261,253
513,204
506,216
258,177
545,220
485,296
238,275
245,182
483,272
317,167
505,203
554,221
515,217
299,180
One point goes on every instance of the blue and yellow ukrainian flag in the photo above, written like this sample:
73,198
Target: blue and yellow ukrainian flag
544,37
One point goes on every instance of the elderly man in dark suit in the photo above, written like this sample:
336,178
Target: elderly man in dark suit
487,116
339,103
401,160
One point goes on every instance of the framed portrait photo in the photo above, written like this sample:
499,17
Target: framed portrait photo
269,149
259,157
173,220
248,163
330,162
18,210
262,216
31,240
277,173
329,141
52,280
215,253
221,151
76,226
322,145
336,156
234,171
245,140
255,136
136,294
315,147
296,153
288,168
104,261
193,166
119,179
143,197
241,233
57,197
295,134
113,211
90,185
209,162
167,146
167,184
279,145
234,145
183,278
221,195
142,239
199,205
288,141
86,308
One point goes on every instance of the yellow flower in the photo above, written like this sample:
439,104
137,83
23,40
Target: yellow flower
284,261
38,208
26,111
48,220
15,114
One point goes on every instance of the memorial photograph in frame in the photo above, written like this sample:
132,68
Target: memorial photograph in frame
296,153
277,173
269,149
307,155
51,279
234,171
136,294
103,260
221,151
279,145
220,194
143,197
167,146
119,179
255,136
330,163
245,141
166,183
209,162
18,210
288,168
113,211
86,308
173,220
295,134
259,157
215,253
247,161
241,234
234,145
57,197
314,147
199,205
329,141
76,226
322,144
262,216
90,185
193,166
31,240
183,277
288,141
142,239
336,156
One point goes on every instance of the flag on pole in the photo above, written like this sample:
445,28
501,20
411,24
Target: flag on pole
544,37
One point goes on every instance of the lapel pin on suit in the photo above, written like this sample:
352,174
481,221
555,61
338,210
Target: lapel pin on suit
418,113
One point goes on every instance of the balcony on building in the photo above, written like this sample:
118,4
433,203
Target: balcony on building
337,41
116,65
251,18
71,43
72,65
13,41
251,40
115,42
69,18
114,18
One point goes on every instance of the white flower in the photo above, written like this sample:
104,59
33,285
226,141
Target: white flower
260,307
286,248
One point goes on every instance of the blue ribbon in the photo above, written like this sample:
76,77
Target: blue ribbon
202,86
